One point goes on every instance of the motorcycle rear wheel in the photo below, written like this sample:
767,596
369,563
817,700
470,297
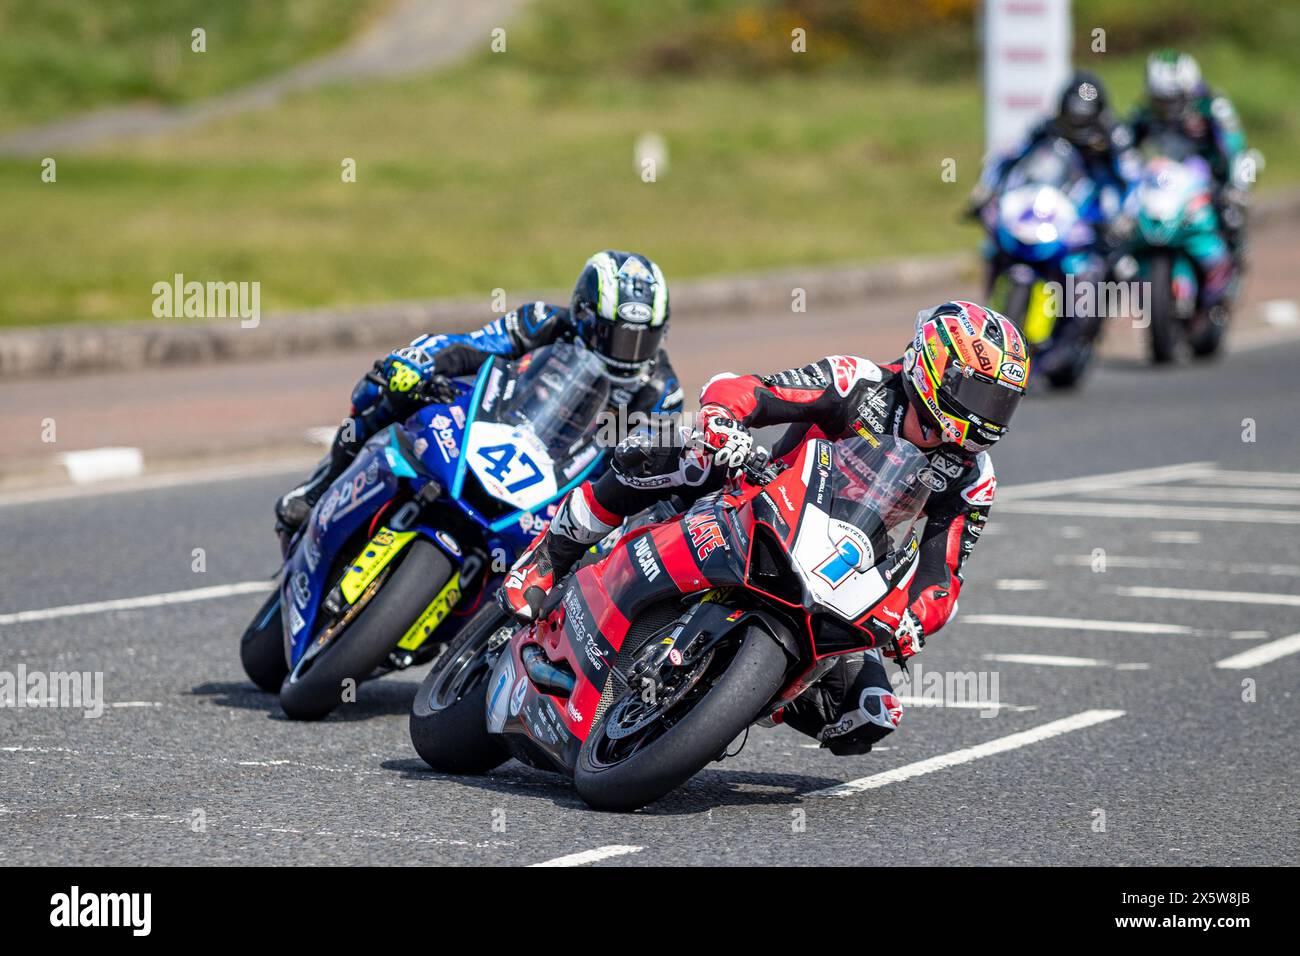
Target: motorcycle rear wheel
1164,325
261,649
750,679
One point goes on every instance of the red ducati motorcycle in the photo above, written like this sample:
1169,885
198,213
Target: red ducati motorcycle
645,664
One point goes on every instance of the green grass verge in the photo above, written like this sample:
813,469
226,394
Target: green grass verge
59,57
503,173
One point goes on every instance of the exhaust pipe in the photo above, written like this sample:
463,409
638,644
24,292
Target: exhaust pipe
544,674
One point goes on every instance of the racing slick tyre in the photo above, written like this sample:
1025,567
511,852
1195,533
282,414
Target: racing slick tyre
627,772
448,718
1164,326
261,649
315,687
1207,339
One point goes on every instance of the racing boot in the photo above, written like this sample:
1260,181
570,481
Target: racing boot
850,708
578,524
293,508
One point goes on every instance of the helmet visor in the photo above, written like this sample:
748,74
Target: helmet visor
624,345
986,404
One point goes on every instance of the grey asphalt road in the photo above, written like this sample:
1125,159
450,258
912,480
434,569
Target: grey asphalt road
1192,763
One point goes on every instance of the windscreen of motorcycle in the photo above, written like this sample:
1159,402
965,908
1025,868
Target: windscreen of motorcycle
863,502
1168,187
535,425
1037,214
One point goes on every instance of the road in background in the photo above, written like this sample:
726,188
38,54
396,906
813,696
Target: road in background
1141,628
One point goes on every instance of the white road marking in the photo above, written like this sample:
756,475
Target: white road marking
590,856
926,702
1074,624
1248,496
1088,509
1181,564
321,435
1020,584
147,482
102,464
1258,479
1280,312
1262,654
1060,660
136,703
147,600
1197,594
944,761
1248,635
1175,537
1116,479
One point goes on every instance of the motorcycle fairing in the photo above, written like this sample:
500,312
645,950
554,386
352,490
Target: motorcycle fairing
371,479
511,463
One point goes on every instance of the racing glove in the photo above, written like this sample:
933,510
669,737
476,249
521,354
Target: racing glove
909,636
730,440
410,372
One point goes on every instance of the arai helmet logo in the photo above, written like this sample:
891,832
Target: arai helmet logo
635,312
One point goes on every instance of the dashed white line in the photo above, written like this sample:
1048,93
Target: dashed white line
1175,537
1020,584
147,600
928,703
1074,624
102,464
988,749
1181,564
1060,660
1216,495
1198,594
590,856
1261,654
1117,479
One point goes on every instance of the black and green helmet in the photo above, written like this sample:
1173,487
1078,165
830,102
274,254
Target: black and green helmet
620,308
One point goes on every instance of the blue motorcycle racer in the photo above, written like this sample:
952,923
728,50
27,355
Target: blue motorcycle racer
619,310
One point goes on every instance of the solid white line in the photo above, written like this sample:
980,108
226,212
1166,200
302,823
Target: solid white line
172,479
1088,509
147,600
1262,654
1074,624
1116,479
590,856
1227,597
942,762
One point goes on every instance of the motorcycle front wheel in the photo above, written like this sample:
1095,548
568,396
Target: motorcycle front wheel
314,688
626,762
448,718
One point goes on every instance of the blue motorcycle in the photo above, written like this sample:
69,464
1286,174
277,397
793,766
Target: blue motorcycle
1043,252
420,529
